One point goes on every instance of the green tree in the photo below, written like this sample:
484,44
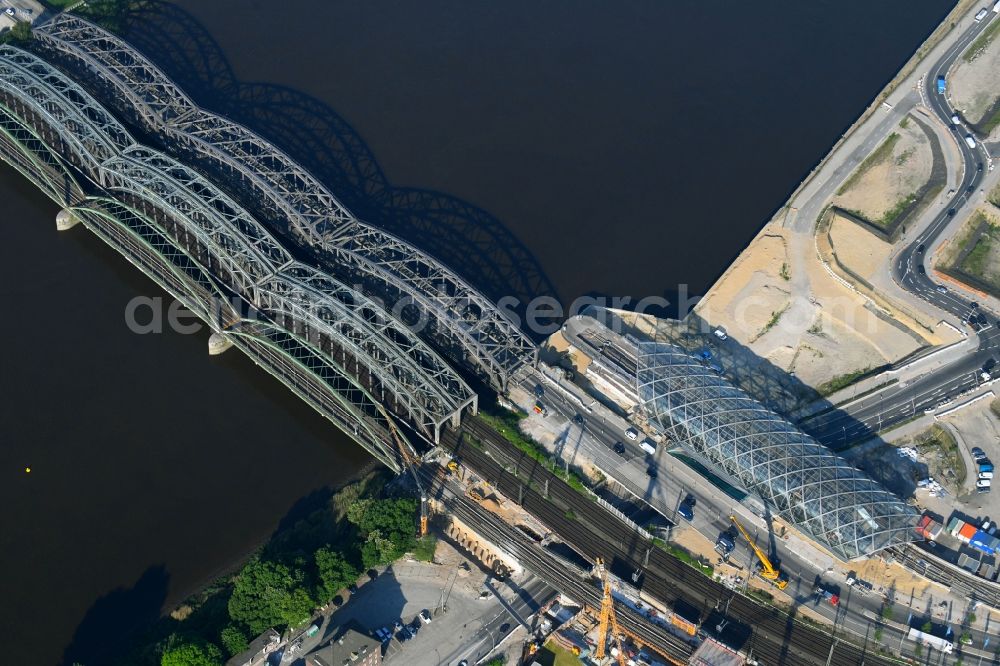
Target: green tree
234,639
268,594
927,627
334,573
388,527
190,652
21,31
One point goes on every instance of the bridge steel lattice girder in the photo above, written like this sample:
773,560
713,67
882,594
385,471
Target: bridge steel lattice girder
493,345
220,227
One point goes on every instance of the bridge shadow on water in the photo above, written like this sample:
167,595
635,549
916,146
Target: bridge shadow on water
466,238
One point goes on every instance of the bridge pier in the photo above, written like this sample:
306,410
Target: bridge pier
218,343
66,219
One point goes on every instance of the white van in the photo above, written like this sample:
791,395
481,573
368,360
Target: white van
970,141
648,445
986,475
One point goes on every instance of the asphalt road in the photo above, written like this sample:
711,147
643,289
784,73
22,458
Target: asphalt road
867,417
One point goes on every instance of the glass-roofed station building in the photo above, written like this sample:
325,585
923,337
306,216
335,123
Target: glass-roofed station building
698,409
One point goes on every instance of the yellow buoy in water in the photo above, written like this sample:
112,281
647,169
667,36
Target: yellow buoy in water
27,470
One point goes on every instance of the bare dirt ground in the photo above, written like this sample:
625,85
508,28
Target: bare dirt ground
843,330
972,253
896,170
975,84
858,249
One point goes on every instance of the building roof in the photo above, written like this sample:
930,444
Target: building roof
260,645
348,644
816,490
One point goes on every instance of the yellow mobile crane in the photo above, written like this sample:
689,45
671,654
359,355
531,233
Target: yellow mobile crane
767,570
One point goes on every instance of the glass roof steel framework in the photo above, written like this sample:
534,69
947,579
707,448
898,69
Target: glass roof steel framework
806,483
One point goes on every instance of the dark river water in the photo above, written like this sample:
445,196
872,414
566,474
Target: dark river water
567,147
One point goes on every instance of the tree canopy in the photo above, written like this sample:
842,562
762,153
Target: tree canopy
334,573
267,594
387,527
190,652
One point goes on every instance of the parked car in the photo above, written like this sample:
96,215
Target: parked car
721,333
978,453
632,434
686,511
425,616
983,483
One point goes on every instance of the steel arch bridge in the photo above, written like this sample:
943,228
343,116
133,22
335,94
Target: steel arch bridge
336,348
448,312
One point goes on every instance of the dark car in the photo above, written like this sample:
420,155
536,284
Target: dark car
539,391
970,189
691,499
989,364
578,419
951,212
978,453
979,167
686,511
973,305
920,248
619,448
504,628
651,472
920,269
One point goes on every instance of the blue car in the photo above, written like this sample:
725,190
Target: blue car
686,511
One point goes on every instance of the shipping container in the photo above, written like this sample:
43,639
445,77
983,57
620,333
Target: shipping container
980,537
967,532
954,525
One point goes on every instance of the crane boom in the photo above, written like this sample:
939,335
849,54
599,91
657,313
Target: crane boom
768,571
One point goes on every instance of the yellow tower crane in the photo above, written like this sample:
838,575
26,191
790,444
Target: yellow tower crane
607,617
767,571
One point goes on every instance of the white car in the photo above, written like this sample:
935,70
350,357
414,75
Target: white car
983,483
632,434
648,445
986,475
720,333
425,617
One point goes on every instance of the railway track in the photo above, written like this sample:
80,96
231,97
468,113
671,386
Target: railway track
777,638
562,575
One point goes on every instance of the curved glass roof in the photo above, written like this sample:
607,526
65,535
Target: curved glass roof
805,482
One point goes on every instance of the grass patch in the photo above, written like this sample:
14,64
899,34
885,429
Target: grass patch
554,654
982,42
507,425
842,381
424,550
904,123
785,275
885,222
685,557
772,322
975,261
938,439
989,124
879,155
762,595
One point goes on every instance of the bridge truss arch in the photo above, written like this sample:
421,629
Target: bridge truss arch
207,251
462,322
